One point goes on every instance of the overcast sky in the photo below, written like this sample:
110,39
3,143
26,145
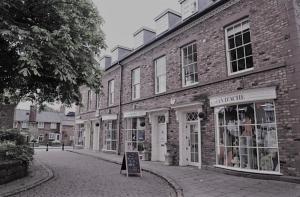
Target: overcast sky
122,18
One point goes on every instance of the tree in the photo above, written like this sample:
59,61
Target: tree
47,50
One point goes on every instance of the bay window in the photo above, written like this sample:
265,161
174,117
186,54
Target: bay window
247,137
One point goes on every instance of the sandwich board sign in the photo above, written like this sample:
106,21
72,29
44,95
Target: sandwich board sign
131,163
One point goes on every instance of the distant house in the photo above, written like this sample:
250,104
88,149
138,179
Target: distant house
44,127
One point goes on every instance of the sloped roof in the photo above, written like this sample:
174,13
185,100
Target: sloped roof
23,115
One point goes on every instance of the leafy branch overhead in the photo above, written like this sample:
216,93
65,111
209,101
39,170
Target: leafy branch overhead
48,48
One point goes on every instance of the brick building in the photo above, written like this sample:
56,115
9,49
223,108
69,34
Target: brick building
217,85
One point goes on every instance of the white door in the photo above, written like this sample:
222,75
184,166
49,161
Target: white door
162,135
192,142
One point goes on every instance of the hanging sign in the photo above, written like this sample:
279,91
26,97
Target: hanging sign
131,163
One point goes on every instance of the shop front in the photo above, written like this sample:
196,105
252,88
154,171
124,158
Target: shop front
110,133
246,131
135,125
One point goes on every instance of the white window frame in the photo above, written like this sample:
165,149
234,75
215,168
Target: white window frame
97,97
184,84
129,131
158,88
110,128
41,125
136,83
229,66
52,125
51,136
111,92
24,125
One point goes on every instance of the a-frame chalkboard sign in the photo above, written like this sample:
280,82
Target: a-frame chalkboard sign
131,163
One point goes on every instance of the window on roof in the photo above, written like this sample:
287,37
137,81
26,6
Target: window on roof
239,47
189,64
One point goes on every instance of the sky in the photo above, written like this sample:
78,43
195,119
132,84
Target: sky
121,19
124,17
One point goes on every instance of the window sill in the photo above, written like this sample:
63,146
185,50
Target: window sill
248,170
240,72
189,85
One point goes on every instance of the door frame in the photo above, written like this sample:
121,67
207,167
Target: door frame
187,132
153,119
181,118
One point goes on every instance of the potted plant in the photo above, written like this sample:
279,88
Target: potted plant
147,151
169,156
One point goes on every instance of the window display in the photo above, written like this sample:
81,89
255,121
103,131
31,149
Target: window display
247,137
110,138
135,134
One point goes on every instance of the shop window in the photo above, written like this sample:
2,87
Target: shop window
135,134
160,75
136,83
110,135
239,47
247,137
189,64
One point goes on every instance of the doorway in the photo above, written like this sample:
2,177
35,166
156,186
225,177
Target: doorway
192,137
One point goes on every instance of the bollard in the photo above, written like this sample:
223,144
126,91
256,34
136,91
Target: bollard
47,147
63,146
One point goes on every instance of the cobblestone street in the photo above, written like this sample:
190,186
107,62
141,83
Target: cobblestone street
83,176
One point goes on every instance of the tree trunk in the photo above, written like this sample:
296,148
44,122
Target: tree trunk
7,114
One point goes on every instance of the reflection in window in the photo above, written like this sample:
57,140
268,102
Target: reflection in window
247,137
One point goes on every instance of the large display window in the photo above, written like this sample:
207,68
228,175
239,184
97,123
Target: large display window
246,137
135,134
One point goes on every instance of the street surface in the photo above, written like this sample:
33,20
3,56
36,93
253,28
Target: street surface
83,176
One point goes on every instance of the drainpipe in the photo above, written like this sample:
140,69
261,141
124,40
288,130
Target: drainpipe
120,110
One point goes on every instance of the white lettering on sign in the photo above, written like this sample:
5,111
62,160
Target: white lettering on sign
243,96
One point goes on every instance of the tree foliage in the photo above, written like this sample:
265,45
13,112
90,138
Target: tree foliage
47,49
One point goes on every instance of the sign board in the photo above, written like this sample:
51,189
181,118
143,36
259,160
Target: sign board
243,96
132,114
131,163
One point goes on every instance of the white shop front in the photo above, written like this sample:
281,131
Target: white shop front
246,131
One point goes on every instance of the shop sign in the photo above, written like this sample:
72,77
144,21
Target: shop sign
109,117
243,96
131,163
133,114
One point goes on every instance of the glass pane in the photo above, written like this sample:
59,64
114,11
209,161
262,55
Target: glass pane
114,135
221,156
232,135
114,145
221,136
240,52
267,135
248,158
242,64
265,112
141,135
231,42
108,144
249,62
233,157
246,37
221,116
268,159
238,40
134,137
234,66
247,136
248,50
231,115
233,55
140,147
246,114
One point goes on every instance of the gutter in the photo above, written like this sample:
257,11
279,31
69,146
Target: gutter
120,109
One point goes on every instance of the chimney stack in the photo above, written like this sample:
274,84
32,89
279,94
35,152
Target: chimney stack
32,113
